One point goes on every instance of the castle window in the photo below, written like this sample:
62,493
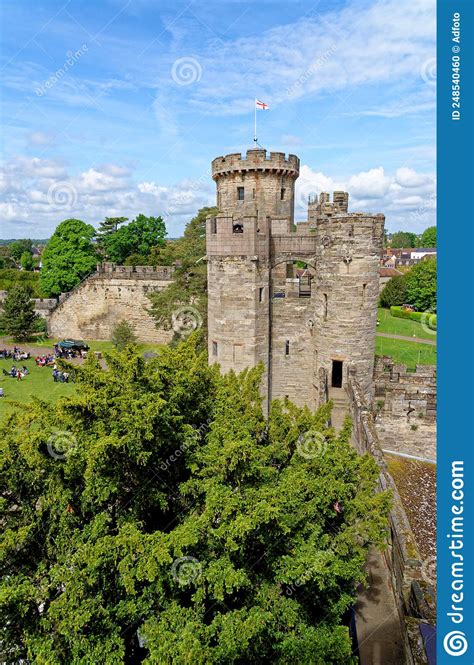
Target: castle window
240,193
364,291
325,314
260,294
214,348
282,193
287,347
351,231
253,193
237,228
213,225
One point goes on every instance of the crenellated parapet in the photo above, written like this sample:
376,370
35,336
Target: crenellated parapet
256,160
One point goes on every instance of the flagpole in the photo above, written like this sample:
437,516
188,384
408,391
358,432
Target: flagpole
255,123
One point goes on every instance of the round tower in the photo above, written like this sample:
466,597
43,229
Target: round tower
345,298
259,184
255,195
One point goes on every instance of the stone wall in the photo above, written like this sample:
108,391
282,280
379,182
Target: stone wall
249,239
112,294
43,306
293,370
415,597
405,408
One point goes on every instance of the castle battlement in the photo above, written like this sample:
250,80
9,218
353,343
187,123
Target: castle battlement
255,160
300,299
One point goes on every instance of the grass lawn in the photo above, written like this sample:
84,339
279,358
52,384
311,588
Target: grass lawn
406,353
390,324
39,383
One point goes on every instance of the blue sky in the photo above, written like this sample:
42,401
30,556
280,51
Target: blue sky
117,107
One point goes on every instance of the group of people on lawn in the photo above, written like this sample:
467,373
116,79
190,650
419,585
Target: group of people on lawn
45,360
15,354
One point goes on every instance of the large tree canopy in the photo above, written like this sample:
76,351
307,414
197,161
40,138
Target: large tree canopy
190,278
401,239
428,237
69,256
157,517
394,292
138,237
17,315
420,282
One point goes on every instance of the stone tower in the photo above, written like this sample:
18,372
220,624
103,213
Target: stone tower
301,299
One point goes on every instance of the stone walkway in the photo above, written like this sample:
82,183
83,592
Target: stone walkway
377,619
420,340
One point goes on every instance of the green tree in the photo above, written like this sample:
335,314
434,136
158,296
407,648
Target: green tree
107,228
402,239
421,285
190,277
18,247
26,261
428,237
138,237
69,256
18,317
123,334
394,292
136,260
156,516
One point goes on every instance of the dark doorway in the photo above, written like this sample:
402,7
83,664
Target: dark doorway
336,378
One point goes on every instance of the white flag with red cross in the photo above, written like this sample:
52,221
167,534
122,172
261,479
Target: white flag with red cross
261,105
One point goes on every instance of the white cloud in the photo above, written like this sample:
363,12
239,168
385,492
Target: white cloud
372,184
407,177
361,44
406,197
32,197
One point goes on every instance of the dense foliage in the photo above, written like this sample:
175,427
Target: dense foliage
394,292
421,285
69,256
11,277
428,320
416,287
123,334
17,316
137,237
401,239
19,247
157,517
190,278
428,237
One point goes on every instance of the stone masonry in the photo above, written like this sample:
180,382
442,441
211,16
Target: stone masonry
112,294
405,408
301,299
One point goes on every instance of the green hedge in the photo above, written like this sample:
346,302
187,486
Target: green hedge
422,317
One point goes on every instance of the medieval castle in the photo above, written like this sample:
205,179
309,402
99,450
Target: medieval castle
300,298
